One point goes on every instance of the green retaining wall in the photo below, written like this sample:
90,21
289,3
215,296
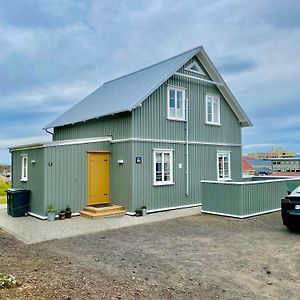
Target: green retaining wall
245,199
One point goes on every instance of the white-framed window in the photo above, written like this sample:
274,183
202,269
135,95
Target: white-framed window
195,68
176,103
212,109
24,170
223,165
162,167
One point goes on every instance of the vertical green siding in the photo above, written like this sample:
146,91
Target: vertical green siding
66,180
35,182
117,126
243,200
150,120
202,165
122,175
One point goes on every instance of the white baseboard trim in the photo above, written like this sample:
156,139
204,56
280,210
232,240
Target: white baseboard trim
37,216
240,216
45,217
166,209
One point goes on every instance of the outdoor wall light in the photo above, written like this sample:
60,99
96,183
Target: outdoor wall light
120,161
32,161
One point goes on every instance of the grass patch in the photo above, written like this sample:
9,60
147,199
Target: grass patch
4,185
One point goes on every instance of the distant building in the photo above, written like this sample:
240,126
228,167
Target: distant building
290,165
260,166
275,153
248,170
284,174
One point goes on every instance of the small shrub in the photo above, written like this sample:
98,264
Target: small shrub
4,185
7,281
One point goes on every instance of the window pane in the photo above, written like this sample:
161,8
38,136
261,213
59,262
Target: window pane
209,111
172,113
167,167
158,157
220,166
172,98
158,174
216,111
179,95
226,166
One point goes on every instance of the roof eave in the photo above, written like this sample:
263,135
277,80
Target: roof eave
224,90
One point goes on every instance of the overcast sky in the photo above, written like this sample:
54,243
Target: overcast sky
54,53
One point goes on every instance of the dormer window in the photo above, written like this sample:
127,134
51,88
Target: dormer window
195,68
176,103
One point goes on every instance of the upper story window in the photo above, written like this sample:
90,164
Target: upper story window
176,103
212,109
223,165
24,170
162,167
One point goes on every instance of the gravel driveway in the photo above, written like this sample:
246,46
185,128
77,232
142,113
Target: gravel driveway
198,257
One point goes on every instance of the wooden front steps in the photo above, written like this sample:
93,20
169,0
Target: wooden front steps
101,212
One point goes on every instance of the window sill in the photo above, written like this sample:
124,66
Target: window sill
163,184
174,119
213,124
227,179
23,180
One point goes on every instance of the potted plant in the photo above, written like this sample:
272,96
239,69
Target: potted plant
144,210
138,212
68,212
51,212
61,215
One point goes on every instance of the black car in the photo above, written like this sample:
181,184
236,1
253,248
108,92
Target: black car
290,209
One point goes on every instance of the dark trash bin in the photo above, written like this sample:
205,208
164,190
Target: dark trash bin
18,202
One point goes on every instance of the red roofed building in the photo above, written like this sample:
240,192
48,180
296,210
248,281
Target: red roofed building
248,170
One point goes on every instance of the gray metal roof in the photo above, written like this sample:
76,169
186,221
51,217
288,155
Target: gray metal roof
127,92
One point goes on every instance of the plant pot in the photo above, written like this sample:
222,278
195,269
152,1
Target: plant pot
138,212
61,216
144,211
51,216
68,214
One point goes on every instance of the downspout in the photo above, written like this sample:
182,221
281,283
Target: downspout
186,147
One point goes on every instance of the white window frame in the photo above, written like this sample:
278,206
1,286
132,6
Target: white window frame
176,89
195,64
24,170
214,99
223,154
163,182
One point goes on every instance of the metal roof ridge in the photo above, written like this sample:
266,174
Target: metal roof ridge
153,65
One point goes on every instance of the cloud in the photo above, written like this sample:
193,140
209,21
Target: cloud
232,64
59,51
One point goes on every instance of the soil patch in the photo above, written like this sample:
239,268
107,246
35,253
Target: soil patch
198,257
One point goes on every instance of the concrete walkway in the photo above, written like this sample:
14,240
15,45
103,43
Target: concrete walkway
31,230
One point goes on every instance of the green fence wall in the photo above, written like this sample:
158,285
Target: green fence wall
244,199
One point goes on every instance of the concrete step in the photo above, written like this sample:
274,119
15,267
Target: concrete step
101,212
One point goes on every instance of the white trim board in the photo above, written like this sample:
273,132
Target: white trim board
167,209
249,182
62,143
172,142
45,217
240,216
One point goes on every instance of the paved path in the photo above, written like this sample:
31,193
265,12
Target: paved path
31,230
2,206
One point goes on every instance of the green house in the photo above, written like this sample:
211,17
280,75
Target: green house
145,139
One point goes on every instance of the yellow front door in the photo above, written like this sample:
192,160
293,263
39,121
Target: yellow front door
98,178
